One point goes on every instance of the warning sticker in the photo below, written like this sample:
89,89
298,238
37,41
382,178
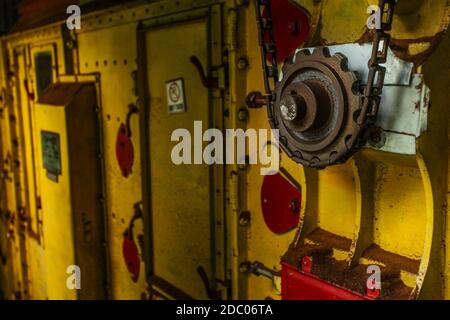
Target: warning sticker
175,96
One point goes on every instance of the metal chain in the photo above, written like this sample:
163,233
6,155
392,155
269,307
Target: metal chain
374,86
373,89
268,51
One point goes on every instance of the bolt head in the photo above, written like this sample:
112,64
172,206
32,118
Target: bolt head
242,63
294,28
243,268
288,111
242,114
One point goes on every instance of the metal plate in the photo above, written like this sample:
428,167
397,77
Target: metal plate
280,203
398,72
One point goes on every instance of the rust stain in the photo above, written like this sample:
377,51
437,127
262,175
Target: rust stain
354,278
400,48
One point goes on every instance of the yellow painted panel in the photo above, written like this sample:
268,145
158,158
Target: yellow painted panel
99,51
57,215
343,21
400,210
337,200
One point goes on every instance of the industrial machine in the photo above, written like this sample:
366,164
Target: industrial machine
94,95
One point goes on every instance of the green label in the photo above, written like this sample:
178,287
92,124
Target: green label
51,153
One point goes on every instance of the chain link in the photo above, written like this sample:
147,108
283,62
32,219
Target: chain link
268,51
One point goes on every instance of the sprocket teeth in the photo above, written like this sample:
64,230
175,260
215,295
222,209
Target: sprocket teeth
332,157
302,54
342,60
356,84
322,52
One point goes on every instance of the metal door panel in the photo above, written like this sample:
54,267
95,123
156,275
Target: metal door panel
179,194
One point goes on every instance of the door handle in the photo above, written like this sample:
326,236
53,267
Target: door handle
208,82
28,90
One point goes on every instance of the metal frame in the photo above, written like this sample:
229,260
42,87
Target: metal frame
156,283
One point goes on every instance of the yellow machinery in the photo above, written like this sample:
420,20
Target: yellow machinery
86,120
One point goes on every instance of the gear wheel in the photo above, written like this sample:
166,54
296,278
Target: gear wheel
316,109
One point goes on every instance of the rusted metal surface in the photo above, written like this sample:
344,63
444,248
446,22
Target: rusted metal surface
401,48
317,259
394,261
60,94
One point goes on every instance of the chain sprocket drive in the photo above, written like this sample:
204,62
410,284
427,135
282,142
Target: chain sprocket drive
322,112
317,108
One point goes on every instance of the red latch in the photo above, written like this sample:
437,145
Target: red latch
124,150
280,203
131,257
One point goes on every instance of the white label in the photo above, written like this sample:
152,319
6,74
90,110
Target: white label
175,96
